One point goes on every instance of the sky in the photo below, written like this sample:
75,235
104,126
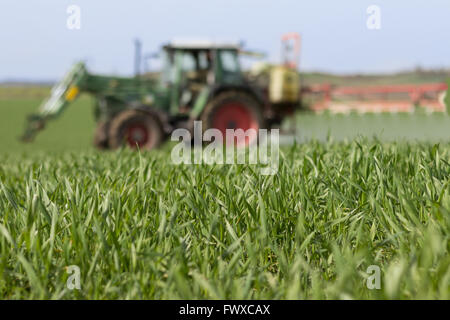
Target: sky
37,45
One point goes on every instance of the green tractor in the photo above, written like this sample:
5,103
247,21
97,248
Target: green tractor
200,81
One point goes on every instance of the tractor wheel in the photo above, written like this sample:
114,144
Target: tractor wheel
234,110
135,129
101,136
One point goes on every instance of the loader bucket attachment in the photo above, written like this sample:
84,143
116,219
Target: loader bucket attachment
61,95
35,123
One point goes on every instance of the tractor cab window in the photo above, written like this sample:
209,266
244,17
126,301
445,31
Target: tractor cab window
196,65
229,61
229,69
204,59
169,71
188,63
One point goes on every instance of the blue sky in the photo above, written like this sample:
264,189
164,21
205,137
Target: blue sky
36,44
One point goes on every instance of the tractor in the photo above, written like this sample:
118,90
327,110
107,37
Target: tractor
199,81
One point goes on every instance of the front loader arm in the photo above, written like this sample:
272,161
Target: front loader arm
62,94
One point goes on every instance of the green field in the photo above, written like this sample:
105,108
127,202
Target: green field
138,226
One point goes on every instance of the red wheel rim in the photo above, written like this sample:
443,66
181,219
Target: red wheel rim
235,115
137,135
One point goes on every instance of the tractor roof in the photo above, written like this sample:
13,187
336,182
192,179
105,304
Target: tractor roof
200,45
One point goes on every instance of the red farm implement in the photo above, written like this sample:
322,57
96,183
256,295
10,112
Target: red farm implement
383,98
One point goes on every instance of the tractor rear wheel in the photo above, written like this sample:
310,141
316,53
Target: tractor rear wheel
234,110
135,129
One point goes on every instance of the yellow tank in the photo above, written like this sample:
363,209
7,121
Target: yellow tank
284,85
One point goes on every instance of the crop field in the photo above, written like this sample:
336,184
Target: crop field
355,191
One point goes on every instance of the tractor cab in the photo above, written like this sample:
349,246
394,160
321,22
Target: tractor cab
190,68
202,62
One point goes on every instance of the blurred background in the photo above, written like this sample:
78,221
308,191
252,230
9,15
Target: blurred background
337,48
